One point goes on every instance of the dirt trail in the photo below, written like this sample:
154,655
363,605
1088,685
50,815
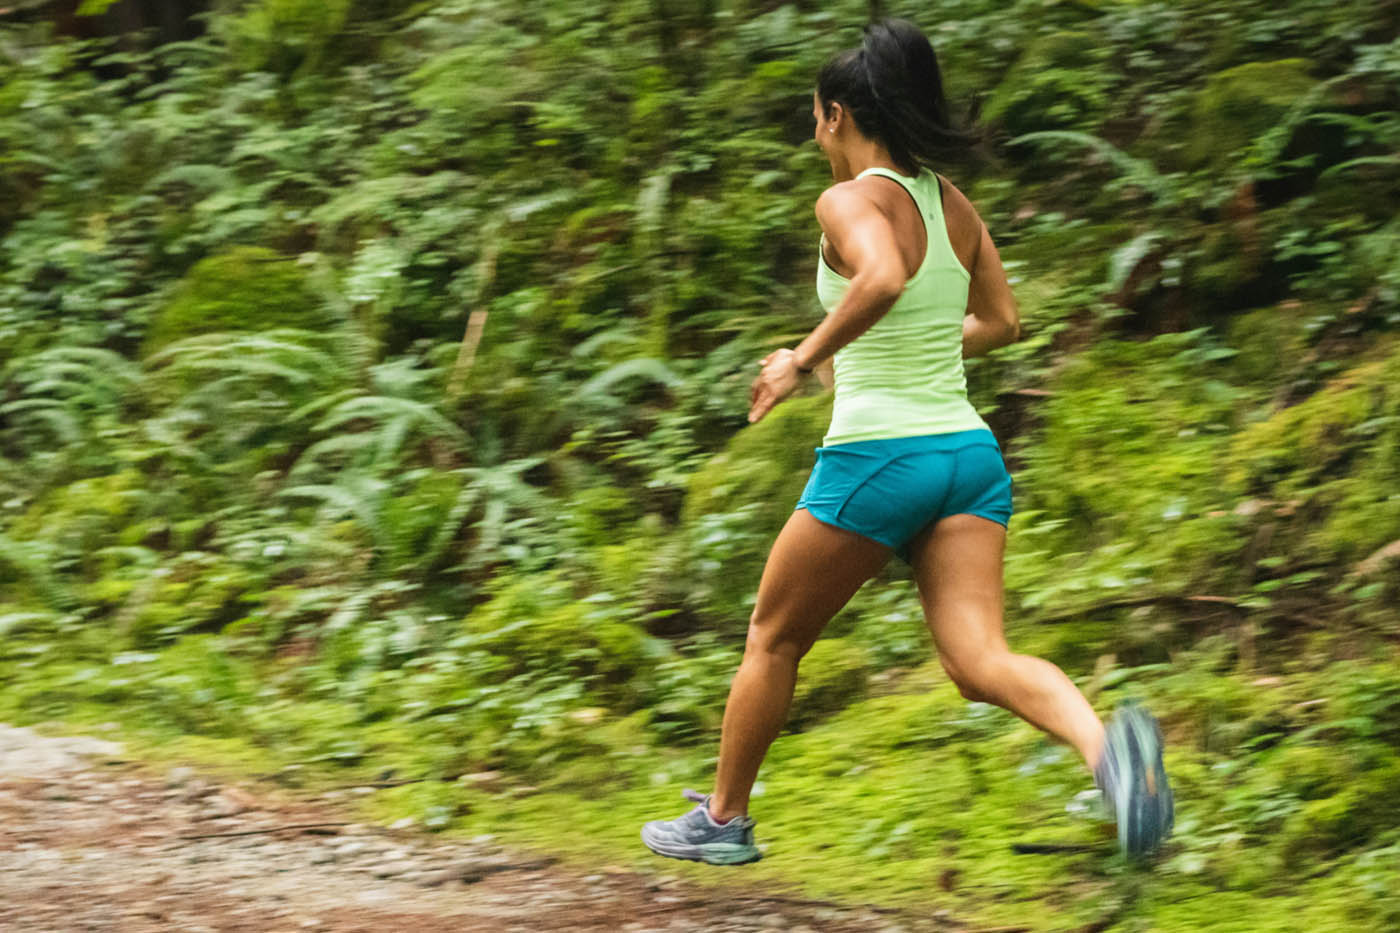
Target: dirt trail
92,842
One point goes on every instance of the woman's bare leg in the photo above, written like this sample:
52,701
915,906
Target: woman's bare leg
958,567
812,571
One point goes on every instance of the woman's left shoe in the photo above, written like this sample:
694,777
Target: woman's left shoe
1134,780
697,837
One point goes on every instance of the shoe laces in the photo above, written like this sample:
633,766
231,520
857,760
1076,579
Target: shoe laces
703,800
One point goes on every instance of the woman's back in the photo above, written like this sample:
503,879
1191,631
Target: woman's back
904,376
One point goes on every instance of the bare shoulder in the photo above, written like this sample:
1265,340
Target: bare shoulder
960,212
843,199
963,222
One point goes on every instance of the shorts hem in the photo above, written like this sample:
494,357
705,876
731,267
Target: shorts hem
827,519
1003,522
900,550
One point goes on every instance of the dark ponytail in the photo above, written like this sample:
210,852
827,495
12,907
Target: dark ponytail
893,89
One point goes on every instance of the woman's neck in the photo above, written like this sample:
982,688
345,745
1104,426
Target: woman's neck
863,155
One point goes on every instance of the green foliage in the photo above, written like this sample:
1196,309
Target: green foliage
1336,450
1346,820
198,592
1160,409
739,500
246,288
1059,82
763,466
831,677
540,626
1272,343
282,36
63,402
1135,172
1240,103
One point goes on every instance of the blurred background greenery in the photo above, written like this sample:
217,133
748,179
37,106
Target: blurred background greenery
372,389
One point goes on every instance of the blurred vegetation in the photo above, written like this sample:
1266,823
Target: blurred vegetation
373,392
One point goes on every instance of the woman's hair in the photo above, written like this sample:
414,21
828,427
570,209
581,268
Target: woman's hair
893,89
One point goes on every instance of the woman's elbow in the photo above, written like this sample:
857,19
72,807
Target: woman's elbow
885,287
878,292
1010,322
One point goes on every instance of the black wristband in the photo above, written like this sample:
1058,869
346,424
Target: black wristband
805,370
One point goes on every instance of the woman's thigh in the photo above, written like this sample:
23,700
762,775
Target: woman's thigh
958,567
812,571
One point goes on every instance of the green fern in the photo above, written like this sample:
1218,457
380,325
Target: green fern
33,561
1139,173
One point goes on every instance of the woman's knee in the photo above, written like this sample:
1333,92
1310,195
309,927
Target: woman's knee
977,679
769,636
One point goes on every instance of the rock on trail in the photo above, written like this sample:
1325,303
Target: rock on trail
26,755
92,842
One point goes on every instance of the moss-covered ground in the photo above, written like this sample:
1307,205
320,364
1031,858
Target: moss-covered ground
909,797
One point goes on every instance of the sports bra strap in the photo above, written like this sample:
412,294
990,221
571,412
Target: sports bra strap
926,190
914,185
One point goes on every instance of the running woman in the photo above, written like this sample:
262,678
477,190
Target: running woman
911,283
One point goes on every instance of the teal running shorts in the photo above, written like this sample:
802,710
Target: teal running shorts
890,490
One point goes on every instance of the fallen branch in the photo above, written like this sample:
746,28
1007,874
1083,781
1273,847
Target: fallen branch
466,354
1377,561
380,785
1051,848
1185,602
476,320
24,6
760,899
268,829
1135,602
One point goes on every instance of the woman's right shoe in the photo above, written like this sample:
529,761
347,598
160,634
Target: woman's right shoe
1133,779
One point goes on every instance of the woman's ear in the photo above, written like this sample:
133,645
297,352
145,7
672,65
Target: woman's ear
834,115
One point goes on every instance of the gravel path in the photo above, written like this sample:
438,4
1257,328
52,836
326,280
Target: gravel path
92,842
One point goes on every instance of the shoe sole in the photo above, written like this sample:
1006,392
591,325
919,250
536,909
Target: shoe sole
1145,818
715,853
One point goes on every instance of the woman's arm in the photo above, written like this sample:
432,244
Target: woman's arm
862,236
992,318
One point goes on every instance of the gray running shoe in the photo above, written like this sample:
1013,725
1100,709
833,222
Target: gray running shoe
1134,780
696,836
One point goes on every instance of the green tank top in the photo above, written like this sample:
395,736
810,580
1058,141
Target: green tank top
904,376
